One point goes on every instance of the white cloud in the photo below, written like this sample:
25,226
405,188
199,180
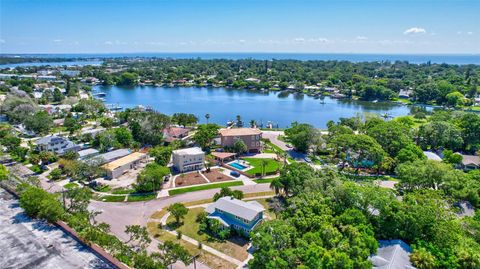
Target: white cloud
469,33
415,30
361,38
116,42
57,40
299,40
108,43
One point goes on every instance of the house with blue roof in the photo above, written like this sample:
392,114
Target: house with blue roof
236,214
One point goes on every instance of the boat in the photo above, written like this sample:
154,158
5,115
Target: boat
99,94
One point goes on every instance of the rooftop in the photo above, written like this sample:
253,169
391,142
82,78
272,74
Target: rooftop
432,156
115,154
240,131
50,139
175,131
245,210
124,160
86,152
471,159
189,151
392,254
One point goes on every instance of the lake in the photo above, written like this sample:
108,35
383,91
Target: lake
225,104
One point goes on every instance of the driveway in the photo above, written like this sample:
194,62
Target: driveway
273,137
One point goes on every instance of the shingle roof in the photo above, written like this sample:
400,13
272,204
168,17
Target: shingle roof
471,159
240,131
392,254
245,210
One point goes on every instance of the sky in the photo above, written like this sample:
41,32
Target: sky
294,26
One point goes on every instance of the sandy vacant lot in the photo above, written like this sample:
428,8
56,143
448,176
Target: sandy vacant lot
189,179
216,176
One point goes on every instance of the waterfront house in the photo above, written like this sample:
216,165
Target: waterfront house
250,136
59,145
236,214
189,159
120,166
171,134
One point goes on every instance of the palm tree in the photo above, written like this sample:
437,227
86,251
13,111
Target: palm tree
276,185
207,116
263,163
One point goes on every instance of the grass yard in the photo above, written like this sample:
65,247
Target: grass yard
71,185
208,259
270,167
112,198
122,191
190,227
141,197
205,187
264,180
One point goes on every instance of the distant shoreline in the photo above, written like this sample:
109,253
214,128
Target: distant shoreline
458,59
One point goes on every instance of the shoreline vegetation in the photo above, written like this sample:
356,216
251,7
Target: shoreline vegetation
445,85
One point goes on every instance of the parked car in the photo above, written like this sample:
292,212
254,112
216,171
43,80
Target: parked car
235,174
308,160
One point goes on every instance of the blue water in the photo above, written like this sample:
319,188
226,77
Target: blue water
459,59
53,64
237,166
225,104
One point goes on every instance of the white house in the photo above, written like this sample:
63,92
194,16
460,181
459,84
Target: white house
189,159
59,145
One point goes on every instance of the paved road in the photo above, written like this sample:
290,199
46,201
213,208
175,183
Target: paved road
119,215
273,137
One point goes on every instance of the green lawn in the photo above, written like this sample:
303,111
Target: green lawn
270,167
190,228
112,198
205,187
264,180
141,197
122,191
70,185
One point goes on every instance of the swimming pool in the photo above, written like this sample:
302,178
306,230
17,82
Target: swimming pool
237,165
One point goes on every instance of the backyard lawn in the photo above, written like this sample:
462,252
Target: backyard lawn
236,248
270,167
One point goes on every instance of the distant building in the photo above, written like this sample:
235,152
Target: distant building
392,254
70,73
470,162
405,93
93,132
118,167
250,136
189,159
59,145
174,133
236,214
432,156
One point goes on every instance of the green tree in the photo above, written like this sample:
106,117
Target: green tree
138,236
127,79
301,136
3,172
178,211
39,203
205,134
225,191
39,122
161,154
239,146
151,178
